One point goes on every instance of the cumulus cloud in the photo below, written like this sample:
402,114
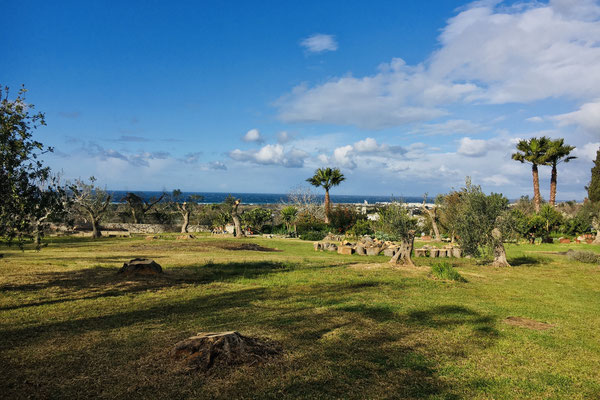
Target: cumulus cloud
489,53
472,147
587,151
284,137
253,135
271,154
587,117
319,43
366,150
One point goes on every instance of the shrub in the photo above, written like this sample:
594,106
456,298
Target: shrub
362,227
313,235
306,222
583,256
342,218
446,271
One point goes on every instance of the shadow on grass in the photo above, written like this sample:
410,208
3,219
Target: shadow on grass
101,282
525,261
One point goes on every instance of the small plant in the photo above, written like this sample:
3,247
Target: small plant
583,256
446,271
313,235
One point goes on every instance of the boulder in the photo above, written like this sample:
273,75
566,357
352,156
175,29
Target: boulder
207,351
442,252
141,266
318,246
332,247
373,251
390,251
422,252
151,237
456,252
345,250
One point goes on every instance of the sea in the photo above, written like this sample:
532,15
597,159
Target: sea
270,198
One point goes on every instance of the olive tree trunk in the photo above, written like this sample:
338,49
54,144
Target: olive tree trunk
404,253
236,219
499,251
432,216
96,233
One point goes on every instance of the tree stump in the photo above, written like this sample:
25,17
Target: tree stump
499,252
434,252
141,266
208,350
360,250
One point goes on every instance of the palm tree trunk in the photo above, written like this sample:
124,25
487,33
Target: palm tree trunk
536,187
553,185
327,206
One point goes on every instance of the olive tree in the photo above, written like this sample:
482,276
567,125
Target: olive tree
91,202
28,192
396,223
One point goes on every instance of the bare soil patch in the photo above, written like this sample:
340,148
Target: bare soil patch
528,323
241,246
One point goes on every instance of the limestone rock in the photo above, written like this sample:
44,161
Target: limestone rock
345,250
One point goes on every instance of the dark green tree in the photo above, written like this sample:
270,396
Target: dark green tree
593,188
27,192
557,153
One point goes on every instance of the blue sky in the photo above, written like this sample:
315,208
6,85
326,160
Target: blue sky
404,97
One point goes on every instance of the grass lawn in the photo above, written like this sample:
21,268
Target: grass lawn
350,326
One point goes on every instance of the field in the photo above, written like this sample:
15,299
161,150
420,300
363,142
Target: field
350,326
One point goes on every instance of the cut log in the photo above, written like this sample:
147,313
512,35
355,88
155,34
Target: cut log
403,255
207,350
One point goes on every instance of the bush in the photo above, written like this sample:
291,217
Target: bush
308,223
313,235
446,271
362,227
583,256
342,218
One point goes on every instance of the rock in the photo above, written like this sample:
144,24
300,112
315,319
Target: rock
434,252
185,237
426,237
390,251
347,243
151,237
318,246
360,250
442,253
213,350
141,266
332,247
345,250
422,252
456,252
373,251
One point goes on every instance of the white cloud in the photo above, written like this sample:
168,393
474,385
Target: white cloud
319,43
587,151
587,117
284,137
472,147
343,157
489,53
253,135
535,119
449,127
271,154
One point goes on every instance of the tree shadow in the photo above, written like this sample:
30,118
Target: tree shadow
527,261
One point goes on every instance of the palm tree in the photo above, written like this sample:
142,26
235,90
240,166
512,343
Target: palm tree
533,151
557,152
326,178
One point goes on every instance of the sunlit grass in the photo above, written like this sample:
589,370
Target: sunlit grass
351,326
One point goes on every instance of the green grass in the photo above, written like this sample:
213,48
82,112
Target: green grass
351,326
445,271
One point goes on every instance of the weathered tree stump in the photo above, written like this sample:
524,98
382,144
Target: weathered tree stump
421,252
360,250
207,350
499,252
141,266
403,255
434,252
456,252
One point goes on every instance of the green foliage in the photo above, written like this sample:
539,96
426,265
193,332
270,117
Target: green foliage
313,235
477,216
326,178
342,218
446,271
256,218
532,151
593,188
307,222
28,194
288,215
395,222
584,256
362,227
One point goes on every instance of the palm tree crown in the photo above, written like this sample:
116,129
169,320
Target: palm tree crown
533,151
326,178
556,153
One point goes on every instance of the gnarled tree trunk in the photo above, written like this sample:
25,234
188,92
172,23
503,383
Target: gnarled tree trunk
432,216
404,253
536,187
499,251
96,233
185,213
236,219
596,226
